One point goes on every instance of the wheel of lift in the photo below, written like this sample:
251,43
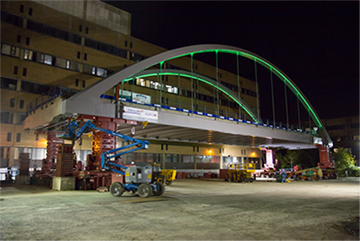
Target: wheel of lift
168,182
117,189
145,190
160,179
160,189
310,178
227,177
231,179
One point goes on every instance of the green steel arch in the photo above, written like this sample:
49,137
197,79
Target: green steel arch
100,87
207,80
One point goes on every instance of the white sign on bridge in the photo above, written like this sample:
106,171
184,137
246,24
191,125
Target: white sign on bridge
132,113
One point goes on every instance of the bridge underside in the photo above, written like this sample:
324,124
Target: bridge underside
161,132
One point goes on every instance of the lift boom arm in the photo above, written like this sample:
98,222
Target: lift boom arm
72,134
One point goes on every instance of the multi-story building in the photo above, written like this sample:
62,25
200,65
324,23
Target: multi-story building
47,45
344,132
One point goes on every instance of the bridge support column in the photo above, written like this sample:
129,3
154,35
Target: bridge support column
51,150
24,162
195,166
63,179
324,157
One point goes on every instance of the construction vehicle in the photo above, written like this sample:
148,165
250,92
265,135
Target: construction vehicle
240,172
137,178
308,174
166,176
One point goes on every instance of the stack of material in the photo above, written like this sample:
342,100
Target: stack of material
102,141
52,145
64,163
24,162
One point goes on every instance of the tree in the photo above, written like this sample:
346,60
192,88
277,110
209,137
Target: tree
344,162
304,158
343,158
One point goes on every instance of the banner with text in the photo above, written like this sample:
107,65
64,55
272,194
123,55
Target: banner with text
140,98
132,113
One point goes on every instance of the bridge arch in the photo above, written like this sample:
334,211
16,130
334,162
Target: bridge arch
207,80
98,88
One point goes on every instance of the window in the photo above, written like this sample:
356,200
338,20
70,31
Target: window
7,117
12,19
87,30
125,43
5,49
8,136
47,59
24,71
101,72
30,11
9,84
21,8
35,88
140,82
62,63
28,54
21,106
130,44
72,65
12,102
80,28
15,52
27,41
16,68
85,56
83,83
21,118
78,55
18,137
77,82
18,39
87,69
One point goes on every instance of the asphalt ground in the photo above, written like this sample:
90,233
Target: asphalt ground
190,209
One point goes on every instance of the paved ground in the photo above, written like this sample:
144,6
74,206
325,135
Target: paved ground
188,210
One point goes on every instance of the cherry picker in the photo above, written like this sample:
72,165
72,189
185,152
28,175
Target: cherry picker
137,178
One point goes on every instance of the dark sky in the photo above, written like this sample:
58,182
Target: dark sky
315,43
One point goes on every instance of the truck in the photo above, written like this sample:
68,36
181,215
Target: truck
137,178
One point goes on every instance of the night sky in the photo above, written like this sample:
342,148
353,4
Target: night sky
315,43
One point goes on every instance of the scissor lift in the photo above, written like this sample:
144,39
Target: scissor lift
240,172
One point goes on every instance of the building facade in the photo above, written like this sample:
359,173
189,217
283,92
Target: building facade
345,133
69,45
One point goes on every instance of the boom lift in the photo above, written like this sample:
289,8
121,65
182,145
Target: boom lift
137,178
